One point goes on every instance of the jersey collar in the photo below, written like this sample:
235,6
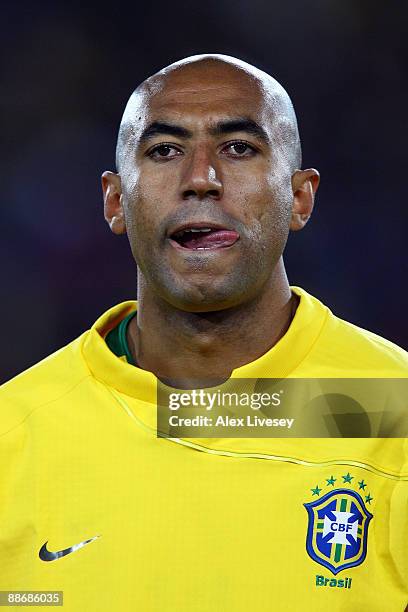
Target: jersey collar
280,361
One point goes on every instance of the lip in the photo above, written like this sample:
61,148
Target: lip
178,246
196,225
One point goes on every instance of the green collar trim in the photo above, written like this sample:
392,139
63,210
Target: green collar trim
117,342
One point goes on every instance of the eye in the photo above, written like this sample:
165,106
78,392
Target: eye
164,151
239,148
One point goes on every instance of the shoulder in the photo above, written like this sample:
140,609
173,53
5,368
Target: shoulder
42,385
338,348
63,379
363,352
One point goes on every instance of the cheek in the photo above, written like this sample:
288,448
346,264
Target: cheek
279,186
279,179
140,205
267,214
269,202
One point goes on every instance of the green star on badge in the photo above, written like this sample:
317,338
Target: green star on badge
316,491
368,499
347,478
362,484
331,481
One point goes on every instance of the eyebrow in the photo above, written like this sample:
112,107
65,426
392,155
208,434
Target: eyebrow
240,125
159,127
228,126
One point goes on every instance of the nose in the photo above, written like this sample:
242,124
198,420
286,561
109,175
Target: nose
201,179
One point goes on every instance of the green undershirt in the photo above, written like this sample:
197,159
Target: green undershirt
117,342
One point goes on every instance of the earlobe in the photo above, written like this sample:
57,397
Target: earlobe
112,202
304,185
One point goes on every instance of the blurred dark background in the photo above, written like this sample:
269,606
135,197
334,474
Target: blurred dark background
66,74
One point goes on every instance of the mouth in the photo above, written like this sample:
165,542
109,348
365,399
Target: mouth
203,237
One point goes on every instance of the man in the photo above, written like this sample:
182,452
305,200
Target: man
93,503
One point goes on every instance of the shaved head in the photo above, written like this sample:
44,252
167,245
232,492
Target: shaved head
197,72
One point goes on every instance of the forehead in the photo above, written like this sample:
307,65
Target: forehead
203,94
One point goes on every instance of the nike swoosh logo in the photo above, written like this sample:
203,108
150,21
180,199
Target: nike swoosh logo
47,555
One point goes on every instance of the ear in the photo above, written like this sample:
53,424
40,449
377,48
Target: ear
304,185
112,202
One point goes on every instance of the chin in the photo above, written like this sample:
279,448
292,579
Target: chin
204,298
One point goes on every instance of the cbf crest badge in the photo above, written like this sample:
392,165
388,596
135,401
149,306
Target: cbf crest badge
337,531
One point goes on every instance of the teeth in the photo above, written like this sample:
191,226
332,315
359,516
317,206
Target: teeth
192,230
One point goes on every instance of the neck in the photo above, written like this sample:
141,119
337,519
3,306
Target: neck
188,350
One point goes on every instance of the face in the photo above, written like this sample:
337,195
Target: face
205,188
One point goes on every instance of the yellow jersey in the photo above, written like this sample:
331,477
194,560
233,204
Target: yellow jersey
95,505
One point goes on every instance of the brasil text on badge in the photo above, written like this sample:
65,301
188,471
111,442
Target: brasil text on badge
338,530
